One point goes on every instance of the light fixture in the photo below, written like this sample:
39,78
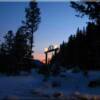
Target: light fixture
45,49
55,46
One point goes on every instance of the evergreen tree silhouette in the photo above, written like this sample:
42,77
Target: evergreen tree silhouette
16,50
32,20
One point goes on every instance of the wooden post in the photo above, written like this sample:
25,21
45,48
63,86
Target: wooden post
55,50
46,57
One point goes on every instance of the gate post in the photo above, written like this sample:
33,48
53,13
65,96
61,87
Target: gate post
46,57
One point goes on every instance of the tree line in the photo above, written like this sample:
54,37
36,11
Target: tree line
16,49
82,49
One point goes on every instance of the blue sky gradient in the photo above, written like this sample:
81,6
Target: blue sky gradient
58,22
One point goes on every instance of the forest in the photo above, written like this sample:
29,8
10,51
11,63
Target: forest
82,50
73,72
16,49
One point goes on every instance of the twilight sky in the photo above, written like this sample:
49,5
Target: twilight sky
58,22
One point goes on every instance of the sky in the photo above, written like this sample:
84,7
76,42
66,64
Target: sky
58,22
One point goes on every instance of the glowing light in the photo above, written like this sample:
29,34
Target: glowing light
45,49
55,46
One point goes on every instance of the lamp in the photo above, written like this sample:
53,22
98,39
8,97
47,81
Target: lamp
45,49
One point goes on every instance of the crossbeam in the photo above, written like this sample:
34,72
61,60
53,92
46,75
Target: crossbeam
48,51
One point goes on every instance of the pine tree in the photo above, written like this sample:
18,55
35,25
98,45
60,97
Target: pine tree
32,21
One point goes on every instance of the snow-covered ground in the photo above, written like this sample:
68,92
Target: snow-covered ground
66,83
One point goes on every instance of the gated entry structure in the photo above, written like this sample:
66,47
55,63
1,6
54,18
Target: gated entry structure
51,48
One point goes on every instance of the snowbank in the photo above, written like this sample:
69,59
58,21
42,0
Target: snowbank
30,86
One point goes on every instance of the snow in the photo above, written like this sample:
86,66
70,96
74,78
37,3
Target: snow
26,85
18,85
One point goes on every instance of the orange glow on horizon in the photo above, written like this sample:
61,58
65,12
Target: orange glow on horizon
39,56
